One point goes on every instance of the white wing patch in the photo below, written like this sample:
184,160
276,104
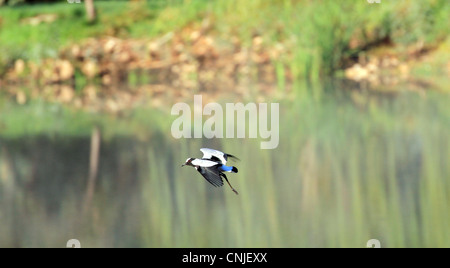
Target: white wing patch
208,153
203,163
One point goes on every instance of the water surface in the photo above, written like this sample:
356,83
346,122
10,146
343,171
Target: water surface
351,165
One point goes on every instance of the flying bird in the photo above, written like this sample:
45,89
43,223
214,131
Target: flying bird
212,166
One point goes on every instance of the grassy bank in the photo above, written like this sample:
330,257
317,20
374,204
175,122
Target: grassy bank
313,38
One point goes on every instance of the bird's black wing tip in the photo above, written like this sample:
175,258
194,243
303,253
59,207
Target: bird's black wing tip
233,157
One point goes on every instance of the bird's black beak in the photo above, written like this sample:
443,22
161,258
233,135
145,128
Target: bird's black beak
183,165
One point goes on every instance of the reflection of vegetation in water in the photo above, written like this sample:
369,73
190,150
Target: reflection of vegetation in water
340,177
342,174
44,190
42,118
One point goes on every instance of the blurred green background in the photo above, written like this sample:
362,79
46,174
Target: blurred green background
86,150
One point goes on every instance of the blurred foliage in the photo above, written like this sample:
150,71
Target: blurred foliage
317,35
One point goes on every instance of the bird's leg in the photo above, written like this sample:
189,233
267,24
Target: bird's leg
225,177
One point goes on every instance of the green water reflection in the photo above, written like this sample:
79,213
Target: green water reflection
350,166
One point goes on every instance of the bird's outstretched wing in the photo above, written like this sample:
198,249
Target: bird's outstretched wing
211,174
216,156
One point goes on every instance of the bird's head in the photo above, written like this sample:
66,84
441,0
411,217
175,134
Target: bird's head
188,162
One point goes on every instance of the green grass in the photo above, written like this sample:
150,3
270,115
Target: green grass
315,34
20,40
